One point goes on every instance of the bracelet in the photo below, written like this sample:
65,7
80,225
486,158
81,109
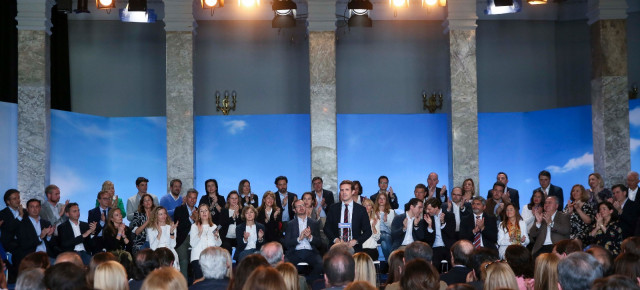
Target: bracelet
119,235
172,234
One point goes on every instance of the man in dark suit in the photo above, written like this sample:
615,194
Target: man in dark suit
409,226
75,236
347,221
441,231
458,207
632,187
302,241
509,195
185,215
460,256
288,197
627,210
433,190
495,204
99,215
383,184
550,227
34,233
324,198
544,178
11,217
479,228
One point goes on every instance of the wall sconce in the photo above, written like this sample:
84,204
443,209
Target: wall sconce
225,108
359,10
211,4
398,4
432,103
83,7
633,92
441,3
106,5
285,13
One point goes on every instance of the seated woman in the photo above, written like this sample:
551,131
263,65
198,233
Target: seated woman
229,220
370,246
580,211
249,235
269,215
141,221
382,207
213,199
246,196
116,235
512,229
203,234
607,232
161,233
536,204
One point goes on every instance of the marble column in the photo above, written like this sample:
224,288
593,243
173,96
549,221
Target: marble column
322,66
609,99
179,84
33,98
463,118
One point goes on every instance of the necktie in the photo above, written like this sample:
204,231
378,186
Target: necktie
104,212
477,239
345,231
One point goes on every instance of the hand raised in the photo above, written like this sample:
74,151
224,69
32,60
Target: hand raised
246,235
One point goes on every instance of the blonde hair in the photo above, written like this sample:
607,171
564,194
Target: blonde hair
499,275
153,219
372,215
164,278
249,208
110,275
360,285
264,278
264,198
289,274
364,270
545,274
199,219
107,185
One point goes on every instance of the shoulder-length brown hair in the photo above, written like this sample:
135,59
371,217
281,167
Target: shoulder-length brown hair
505,220
584,195
199,219
376,205
141,206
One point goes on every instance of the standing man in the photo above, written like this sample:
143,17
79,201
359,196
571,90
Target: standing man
551,227
509,195
173,199
185,215
627,210
433,190
383,184
10,218
53,211
420,192
441,232
458,206
632,186
544,178
34,233
479,228
302,241
134,201
99,215
324,198
285,199
409,226
347,221
495,204
75,236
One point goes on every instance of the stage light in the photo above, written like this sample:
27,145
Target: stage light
360,13
211,4
430,2
249,3
399,3
106,4
537,2
495,7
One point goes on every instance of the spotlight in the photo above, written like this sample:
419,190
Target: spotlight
495,7
211,4
106,4
65,6
248,3
360,13
137,5
83,6
285,14
537,2
284,7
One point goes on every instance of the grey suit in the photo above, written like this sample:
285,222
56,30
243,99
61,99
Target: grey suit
560,231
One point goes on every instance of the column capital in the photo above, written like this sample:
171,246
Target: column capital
178,15
606,9
461,15
35,15
321,15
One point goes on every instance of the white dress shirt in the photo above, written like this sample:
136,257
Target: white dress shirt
76,232
408,235
304,244
253,237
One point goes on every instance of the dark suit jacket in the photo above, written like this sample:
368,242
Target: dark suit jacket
393,203
557,192
291,197
448,232
253,201
360,226
489,234
292,233
513,195
95,215
28,240
182,215
225,221
215,214
9,229
628,218
111,242
327,195
397,234
455,275
560,231
273,231
438,194
68,240
241,245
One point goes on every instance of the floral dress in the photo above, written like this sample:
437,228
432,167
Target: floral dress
580,229
611,238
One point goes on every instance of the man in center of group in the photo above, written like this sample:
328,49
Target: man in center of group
347,221
509,195
550,227
433,190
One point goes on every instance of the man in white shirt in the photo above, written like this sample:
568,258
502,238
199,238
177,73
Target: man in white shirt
134,201
324,198
440,232
34,233
75,236
302,241
550,227
409,226
632,186
457,206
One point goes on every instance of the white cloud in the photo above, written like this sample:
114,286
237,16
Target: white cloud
573,163
634,117
635,144
68,180
235,126
528,180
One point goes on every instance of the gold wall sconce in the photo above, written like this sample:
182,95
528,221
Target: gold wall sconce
226,105
432,102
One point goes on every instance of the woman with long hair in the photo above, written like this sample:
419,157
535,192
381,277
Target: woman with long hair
365,270
382,208
310,203
249,234
161,232
597,192
247,197
110,275
607,232
370,246
116,235
545,274
519,259
536,204
512,229
213,199
468,189
269,214
580,211
290,275
396,266
203,234
500,276
141,221
229,220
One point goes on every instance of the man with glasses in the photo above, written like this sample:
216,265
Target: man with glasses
383,184
100,215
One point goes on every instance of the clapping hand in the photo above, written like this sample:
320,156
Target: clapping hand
391,195
428,219
441,218
114,202
537,212
570,206
260,234
174,226
246,236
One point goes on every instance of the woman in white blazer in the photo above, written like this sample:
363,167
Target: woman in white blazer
203,234
161,233
512,230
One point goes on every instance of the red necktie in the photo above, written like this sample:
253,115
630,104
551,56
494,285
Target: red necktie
345,231
477,239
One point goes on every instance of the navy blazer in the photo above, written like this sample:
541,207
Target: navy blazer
393,203
514,195
292,233
397,234
28,239
9,229
448,232
557,192
253,200
181,214
360,226
489,234
327,195
95,215
455,275
68,240
241,245
291,197
628,219
225,221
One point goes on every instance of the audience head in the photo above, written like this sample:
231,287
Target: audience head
49,192
34,260
165,257
551,204
364,270
627,264
481,256
31,279
244,269
544,178
246,213
631,245
164,278
607,210
603,256
418,250
146,201
519,259
565,247
96,260
273,252
396,266
215,263
578,192
342,247
578,271
360,285
461,252
339,268
110,275
419,275
615,282
499,275
145,262
537,198
264,278
546,271
289,275
159,215
65,276
72,257
461,286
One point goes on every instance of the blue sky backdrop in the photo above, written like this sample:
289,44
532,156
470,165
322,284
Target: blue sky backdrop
254,147
634,129
8,147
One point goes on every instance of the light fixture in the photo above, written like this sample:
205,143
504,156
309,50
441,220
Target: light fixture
537,2
127,15
226,106
83,7
359,10
65,6
211,4
398,4
106,4
248,3
431,103
285,13
500,3
495,7
137,5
